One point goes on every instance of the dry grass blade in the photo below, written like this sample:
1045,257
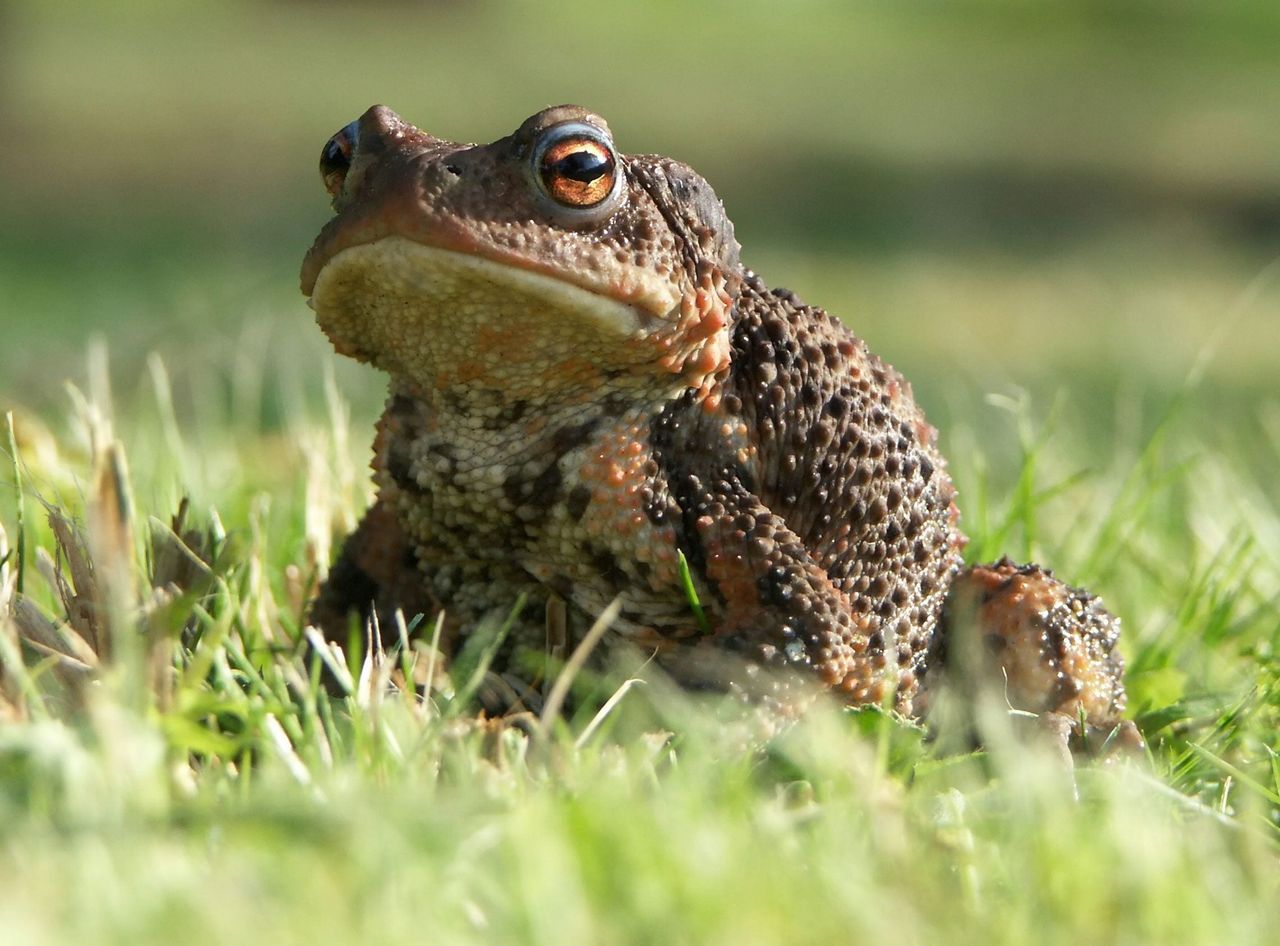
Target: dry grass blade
80,599
50,636
111,542
375,669
5,572
560,690
20,551
279,741
72,661
609,706
182,558
110,518
99,559
333,658
11,703
22,622
557,621
433,656
96,575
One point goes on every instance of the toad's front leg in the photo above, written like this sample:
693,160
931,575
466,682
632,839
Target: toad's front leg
1048,646
780,607
376,573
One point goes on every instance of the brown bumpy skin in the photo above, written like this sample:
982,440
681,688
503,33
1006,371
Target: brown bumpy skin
1052,646
581,392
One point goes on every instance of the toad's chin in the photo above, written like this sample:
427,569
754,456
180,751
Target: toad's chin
439,318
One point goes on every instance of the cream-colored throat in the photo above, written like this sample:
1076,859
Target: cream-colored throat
441,318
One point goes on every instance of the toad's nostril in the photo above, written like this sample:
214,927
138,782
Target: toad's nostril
335,158
453,169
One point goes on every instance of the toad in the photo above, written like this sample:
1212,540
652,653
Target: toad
592,400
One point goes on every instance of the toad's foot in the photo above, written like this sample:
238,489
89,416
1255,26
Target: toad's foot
1050,647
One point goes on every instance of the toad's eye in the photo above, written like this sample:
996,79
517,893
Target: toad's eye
576,167
335,159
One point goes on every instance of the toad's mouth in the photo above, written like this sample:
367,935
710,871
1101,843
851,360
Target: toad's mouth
601,275
440,317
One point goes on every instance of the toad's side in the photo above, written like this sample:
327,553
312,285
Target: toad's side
585,384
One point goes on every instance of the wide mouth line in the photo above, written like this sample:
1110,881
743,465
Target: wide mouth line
653,304
408,266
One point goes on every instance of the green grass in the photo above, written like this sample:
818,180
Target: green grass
197,783
1059,222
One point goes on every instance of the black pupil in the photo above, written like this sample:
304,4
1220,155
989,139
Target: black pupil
337,152
584,166
333,158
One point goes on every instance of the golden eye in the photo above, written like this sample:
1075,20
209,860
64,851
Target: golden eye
576,169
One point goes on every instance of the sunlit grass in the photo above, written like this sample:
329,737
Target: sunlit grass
171,767
1058,223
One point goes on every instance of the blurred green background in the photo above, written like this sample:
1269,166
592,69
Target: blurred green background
1006,195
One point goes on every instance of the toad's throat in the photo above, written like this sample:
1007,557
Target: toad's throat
441,318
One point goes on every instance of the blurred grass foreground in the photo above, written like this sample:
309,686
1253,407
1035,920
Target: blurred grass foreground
1061,221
